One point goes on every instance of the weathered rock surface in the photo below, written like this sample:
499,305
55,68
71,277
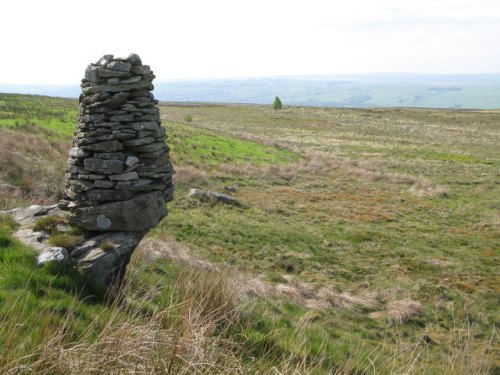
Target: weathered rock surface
223,198
198,193
53,254
214,196
101,257
137,214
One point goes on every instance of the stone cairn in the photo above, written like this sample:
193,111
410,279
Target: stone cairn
119,174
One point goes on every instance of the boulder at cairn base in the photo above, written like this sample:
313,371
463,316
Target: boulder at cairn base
137,214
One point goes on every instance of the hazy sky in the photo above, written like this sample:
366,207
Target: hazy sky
49,41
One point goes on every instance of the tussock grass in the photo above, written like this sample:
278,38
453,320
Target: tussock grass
31,168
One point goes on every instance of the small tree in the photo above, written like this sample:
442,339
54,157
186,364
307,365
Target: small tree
277,104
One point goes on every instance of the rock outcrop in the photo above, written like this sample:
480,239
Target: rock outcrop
118,178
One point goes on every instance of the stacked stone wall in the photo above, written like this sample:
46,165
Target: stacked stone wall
119,174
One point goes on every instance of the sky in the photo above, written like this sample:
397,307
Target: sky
51,41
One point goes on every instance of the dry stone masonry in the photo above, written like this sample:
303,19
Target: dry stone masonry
119,173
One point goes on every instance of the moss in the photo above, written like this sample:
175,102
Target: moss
107,245
67,240
48,223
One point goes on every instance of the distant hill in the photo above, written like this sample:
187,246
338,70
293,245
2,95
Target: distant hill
472,91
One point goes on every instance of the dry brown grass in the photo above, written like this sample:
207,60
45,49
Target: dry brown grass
188,176
399,311
178,339
31,168
320,163
422,187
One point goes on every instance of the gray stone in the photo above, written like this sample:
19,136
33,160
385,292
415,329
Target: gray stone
106,73
106,267
151,125
132,161
121,118
111,156
116,101
79,186
119,66
53,255
106,146
91,176
150,148
145,84
109,195
92,118
77,152
154,117
108,57
141,69
129,108
223,198
139,142
113,81
198,193
77,169
124,177
104,184
92,74
43,235
134,59
144,133
107,167
117,112
103,61
132,79
150,111
61,228
140,213
119,136
107,124
151,155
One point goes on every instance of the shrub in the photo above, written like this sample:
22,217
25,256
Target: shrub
277,104
188,117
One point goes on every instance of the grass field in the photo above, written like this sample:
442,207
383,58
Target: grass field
367,241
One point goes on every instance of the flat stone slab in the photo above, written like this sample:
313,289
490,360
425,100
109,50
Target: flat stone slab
104,166
142,212
53,255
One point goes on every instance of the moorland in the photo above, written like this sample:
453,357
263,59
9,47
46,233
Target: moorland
366,241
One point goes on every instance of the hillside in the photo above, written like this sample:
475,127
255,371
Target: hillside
366,241
479,91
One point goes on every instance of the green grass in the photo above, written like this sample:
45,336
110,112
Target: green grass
349,225
30,294
207,149
56,115
335,203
